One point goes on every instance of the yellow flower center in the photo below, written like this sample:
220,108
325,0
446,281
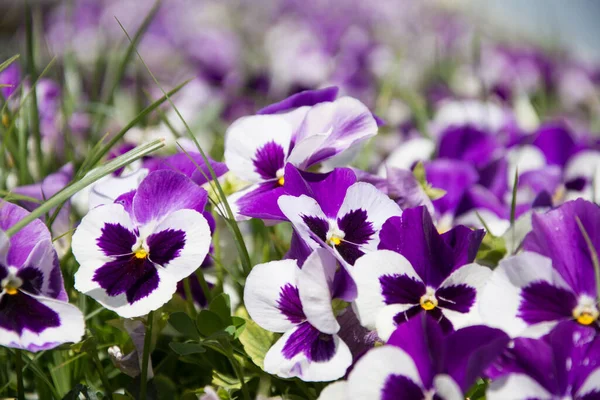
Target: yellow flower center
334,240
428,301
11,290
141,253
586,311
281,181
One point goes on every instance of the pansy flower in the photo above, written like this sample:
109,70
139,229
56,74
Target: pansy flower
418,270
565,364
343,214
133,252
420,362
304,130
282,297
552,280
34,310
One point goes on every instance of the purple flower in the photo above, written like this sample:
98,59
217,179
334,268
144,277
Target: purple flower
420,362
565,364
34,310
552,280
282,297
340,213
423,272
305,129
11,77
132,253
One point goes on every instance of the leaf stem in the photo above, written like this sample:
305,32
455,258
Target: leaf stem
146,355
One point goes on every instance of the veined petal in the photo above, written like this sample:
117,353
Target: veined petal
180,243
368,272
270,295
163,192
87,244
36,323
253,142
385,372
590,387
393,315
458,294
43,259
107,190
307,217
315,284
305,353
502,299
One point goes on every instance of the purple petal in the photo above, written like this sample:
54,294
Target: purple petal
163,192
317,225
135,277
20,311
269,159
116,240
455,177
543,302
188,165
400,387
401,289
261,202
32,278
10,76
433,256
557,236
290,305
459,298
468,143
306,339
165,246
469,351
494,177
305,98
556,142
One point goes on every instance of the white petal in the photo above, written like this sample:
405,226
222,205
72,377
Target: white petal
591,384
315,281
367,379
516,387
335,391
407,154
294,208
43,258
525,158
385,319
447,388
197,242
262,292
107,190
474,276
500,299
497,225
306,148
158,297
379,208
308,371
71,328
366,273
246,135
84,244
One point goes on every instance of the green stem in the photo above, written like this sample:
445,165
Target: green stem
239,373
102,374
19,368
187,288
146,355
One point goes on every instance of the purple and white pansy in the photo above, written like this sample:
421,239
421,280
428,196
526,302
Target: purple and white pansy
421,362
565,364
305,129
34,310
133,252
282,297
552,280
418,270
343,214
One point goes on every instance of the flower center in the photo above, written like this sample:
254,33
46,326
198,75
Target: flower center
11,283
279,176
335,235
586,311
141,253
428,300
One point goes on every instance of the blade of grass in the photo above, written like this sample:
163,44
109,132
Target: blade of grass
242,250
66,193
6,63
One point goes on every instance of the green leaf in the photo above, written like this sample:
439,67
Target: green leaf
491,251
419,173
209,323
185,349
256,341
66,193
220,305
184,325
434,193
